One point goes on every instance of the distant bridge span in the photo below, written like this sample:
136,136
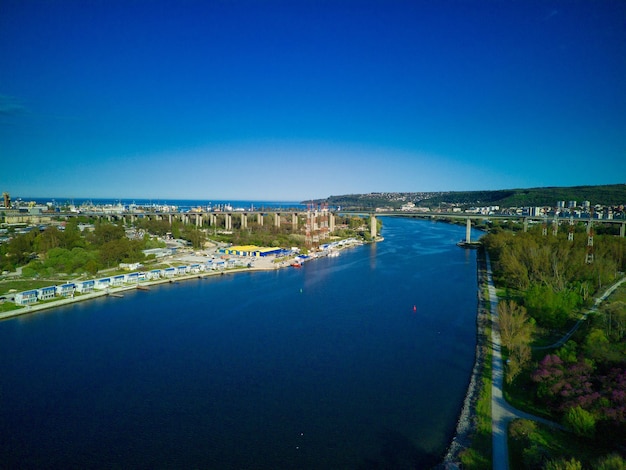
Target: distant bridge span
525,219
210,218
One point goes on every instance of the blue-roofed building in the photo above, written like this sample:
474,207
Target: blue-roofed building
66,289
182,270
117,280
86,286
154,274
170,272
26,298
131,278
46,293
103,283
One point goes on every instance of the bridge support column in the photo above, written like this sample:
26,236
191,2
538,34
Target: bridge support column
331,222
169,217
277,219
294,220
228,221
622,230
259,219
525,225
212,220
244,220
468,231
373,226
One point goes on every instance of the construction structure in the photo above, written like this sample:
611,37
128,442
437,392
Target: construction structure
317,228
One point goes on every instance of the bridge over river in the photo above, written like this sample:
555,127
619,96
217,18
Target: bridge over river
317,219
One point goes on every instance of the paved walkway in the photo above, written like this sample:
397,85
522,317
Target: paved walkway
501,412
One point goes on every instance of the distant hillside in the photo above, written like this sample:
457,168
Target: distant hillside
606,195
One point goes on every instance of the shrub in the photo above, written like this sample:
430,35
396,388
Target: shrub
580,421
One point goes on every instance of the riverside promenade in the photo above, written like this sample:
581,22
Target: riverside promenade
261,264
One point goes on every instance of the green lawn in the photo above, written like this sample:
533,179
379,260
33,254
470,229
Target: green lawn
21,285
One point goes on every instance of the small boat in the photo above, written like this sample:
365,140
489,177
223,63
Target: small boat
296,264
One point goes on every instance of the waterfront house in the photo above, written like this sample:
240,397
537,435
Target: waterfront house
195,268
170,272
154,274
180,270
86,286
46,293
141,276
103,283
66,289
26,298
117,281
131,278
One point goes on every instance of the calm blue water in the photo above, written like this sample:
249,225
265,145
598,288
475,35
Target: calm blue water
327,366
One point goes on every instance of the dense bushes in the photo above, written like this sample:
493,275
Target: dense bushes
551,272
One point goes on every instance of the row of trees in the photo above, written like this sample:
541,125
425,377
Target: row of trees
583,383
550,273
53,251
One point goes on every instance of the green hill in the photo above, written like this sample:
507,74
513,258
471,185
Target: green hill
606,195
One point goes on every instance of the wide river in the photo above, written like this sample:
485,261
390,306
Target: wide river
360,361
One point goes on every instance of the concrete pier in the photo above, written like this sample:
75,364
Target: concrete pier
468,231
244,220
373,226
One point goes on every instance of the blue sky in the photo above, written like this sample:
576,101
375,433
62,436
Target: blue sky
292,100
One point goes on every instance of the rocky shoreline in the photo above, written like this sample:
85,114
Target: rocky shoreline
466,423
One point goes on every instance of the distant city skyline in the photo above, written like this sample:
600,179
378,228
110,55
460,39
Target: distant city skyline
283,100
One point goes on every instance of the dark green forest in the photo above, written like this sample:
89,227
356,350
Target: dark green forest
607,195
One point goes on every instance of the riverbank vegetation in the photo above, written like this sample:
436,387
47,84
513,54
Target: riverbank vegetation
478,455
82,246
549,282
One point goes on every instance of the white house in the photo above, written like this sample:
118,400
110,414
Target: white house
103,283
131,278
86,286
65,289
26,298
46,293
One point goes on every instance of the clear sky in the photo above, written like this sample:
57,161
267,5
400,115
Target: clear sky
298,99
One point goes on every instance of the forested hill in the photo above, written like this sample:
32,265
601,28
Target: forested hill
606,195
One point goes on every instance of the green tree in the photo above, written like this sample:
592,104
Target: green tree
563,464
20,249
580,421
192,234
105,232
611,462
50,238
516,330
